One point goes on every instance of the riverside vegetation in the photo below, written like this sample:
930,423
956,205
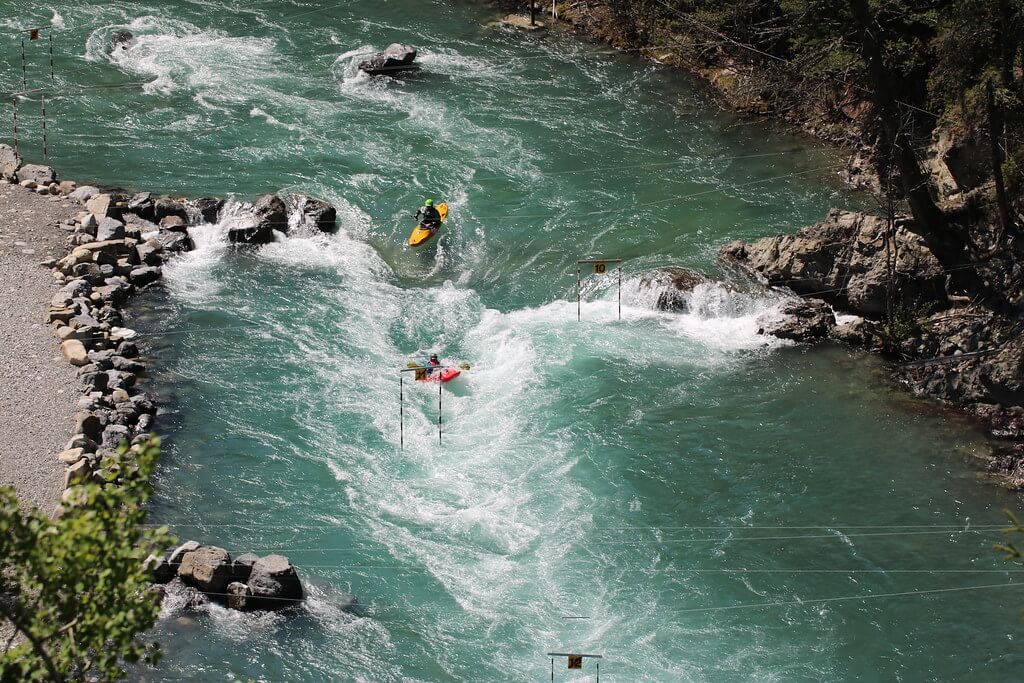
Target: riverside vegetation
928,97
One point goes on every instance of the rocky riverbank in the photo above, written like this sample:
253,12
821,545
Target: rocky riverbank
101,248
947,338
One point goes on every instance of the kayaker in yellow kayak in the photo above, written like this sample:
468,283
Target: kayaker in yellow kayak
431,217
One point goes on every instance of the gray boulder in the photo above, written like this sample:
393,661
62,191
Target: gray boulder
164,207
239,595
84,193
274,583
142,205
317,214
149,252
802,321
10,162
174,224
271,212
174,242
37,173
109,229
250,232
141,277
208,568
89,425
242,566
859,332
205,209
174,556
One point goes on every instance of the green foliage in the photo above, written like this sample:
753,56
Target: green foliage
903,321
1011,553
75,587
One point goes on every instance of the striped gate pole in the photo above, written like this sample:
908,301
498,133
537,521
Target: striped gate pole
46,151
24,68
14,101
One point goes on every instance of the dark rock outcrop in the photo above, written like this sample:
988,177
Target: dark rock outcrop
268,214
842,260
395,58
142,205
207,209
317,214
800,320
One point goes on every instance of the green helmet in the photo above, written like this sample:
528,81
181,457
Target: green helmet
429,202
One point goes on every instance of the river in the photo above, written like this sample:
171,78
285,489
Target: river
688,498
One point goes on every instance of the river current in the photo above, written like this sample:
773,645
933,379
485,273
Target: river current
677,493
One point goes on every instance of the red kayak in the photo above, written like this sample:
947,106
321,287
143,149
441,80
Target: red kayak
441,375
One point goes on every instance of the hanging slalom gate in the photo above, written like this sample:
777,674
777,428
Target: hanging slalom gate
600,267
401,402
575,661
33,34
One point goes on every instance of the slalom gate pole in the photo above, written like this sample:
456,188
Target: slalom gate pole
46,153
552,670
620,294
14,101
24,69
49,34
401,411
579,314
440,388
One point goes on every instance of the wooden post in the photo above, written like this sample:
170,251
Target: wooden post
994,132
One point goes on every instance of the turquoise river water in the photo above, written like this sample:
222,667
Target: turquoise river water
686,498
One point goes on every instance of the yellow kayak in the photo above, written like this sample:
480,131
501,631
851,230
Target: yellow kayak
421,235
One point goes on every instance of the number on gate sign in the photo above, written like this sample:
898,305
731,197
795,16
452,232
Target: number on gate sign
600,267
576,661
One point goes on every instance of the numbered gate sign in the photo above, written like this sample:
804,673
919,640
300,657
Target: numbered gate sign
576,661
600,267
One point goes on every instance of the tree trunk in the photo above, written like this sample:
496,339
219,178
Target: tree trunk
897,141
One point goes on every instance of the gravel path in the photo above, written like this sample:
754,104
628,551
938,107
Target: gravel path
38,390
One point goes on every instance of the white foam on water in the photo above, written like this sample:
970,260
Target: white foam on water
177,55
256,112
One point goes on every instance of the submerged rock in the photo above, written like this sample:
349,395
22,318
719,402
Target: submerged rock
396,57
122,40
675,285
